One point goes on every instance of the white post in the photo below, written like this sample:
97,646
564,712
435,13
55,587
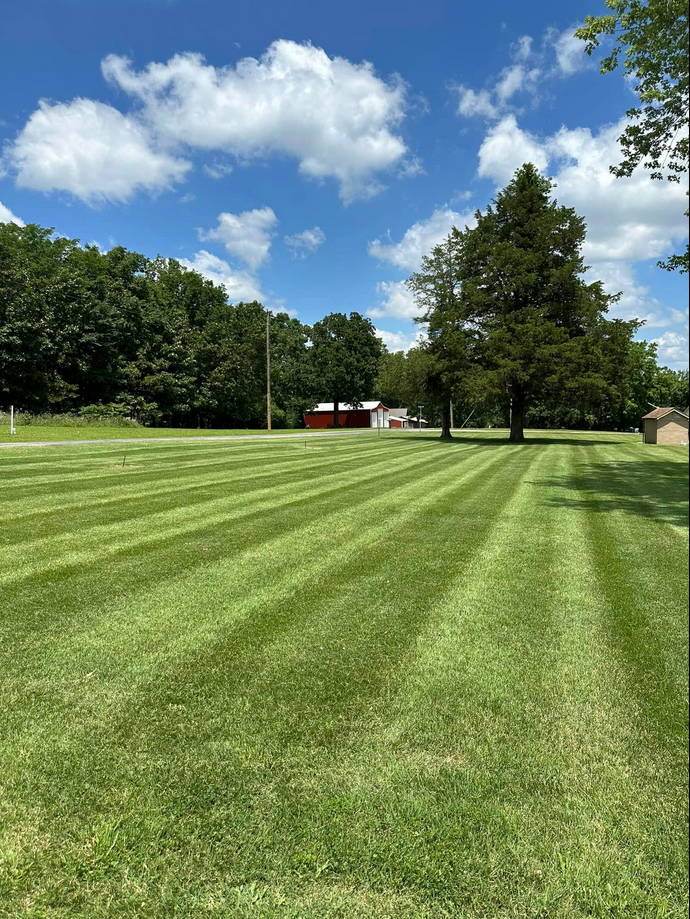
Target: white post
13,430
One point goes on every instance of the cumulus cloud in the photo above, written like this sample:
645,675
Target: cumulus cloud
305,243
419,239
397,301
560,55
635,301
505,148
476,103
337,118
570,51
672,348
522,50
631,218
247,235
6,216
92,151
399,341
627,219
239,285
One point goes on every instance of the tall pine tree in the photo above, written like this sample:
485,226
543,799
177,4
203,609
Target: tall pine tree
505,301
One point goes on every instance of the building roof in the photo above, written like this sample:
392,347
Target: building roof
661,412
346,407
398,412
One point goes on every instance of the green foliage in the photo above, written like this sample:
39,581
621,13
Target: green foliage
117,334
345,357
509,316
91,416
402,380
651,38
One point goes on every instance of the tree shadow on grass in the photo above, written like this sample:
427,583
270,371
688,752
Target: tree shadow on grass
500,439
656,490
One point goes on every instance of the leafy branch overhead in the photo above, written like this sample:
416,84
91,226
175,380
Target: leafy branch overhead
650,41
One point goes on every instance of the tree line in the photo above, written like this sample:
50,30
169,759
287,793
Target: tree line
122,334
515,335
516,331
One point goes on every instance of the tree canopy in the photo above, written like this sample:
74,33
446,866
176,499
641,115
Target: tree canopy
507,308
93,332
651,38
79,327
345,356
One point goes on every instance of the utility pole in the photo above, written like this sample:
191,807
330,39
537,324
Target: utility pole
451,416
419,408
268,370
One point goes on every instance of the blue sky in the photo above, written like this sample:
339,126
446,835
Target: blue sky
309,154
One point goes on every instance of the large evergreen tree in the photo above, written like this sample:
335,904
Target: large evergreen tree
505,301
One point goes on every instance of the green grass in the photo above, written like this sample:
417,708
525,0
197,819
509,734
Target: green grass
36,433
365,678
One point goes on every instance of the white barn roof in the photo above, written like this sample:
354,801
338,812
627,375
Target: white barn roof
347,407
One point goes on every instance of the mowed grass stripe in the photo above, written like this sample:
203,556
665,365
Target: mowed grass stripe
151,526
406,704
106,472
132,501
252,580
496,722
295,631
649,634
631,783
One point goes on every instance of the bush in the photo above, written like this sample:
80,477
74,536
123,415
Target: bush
91,416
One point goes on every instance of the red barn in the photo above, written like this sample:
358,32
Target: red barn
364,415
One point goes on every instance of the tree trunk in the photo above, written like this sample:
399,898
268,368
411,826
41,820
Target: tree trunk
517,418
445,422
336,413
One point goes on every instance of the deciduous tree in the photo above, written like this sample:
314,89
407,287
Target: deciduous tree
651,39
345,354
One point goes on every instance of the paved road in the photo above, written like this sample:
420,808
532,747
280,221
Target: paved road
151,440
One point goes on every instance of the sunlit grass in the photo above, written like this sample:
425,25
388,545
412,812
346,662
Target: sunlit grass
356,677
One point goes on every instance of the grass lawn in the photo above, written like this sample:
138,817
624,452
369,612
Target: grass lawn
365,678
37,433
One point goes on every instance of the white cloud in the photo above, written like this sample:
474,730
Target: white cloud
515,79
247,235
305,243
561,55
399,341
570,51
631,219
239,285
476,103
92,151
217,169
336,118
635,302
521,76
505,148
523,48
6,216
397,301
672,349
628,220
411,167
420,238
